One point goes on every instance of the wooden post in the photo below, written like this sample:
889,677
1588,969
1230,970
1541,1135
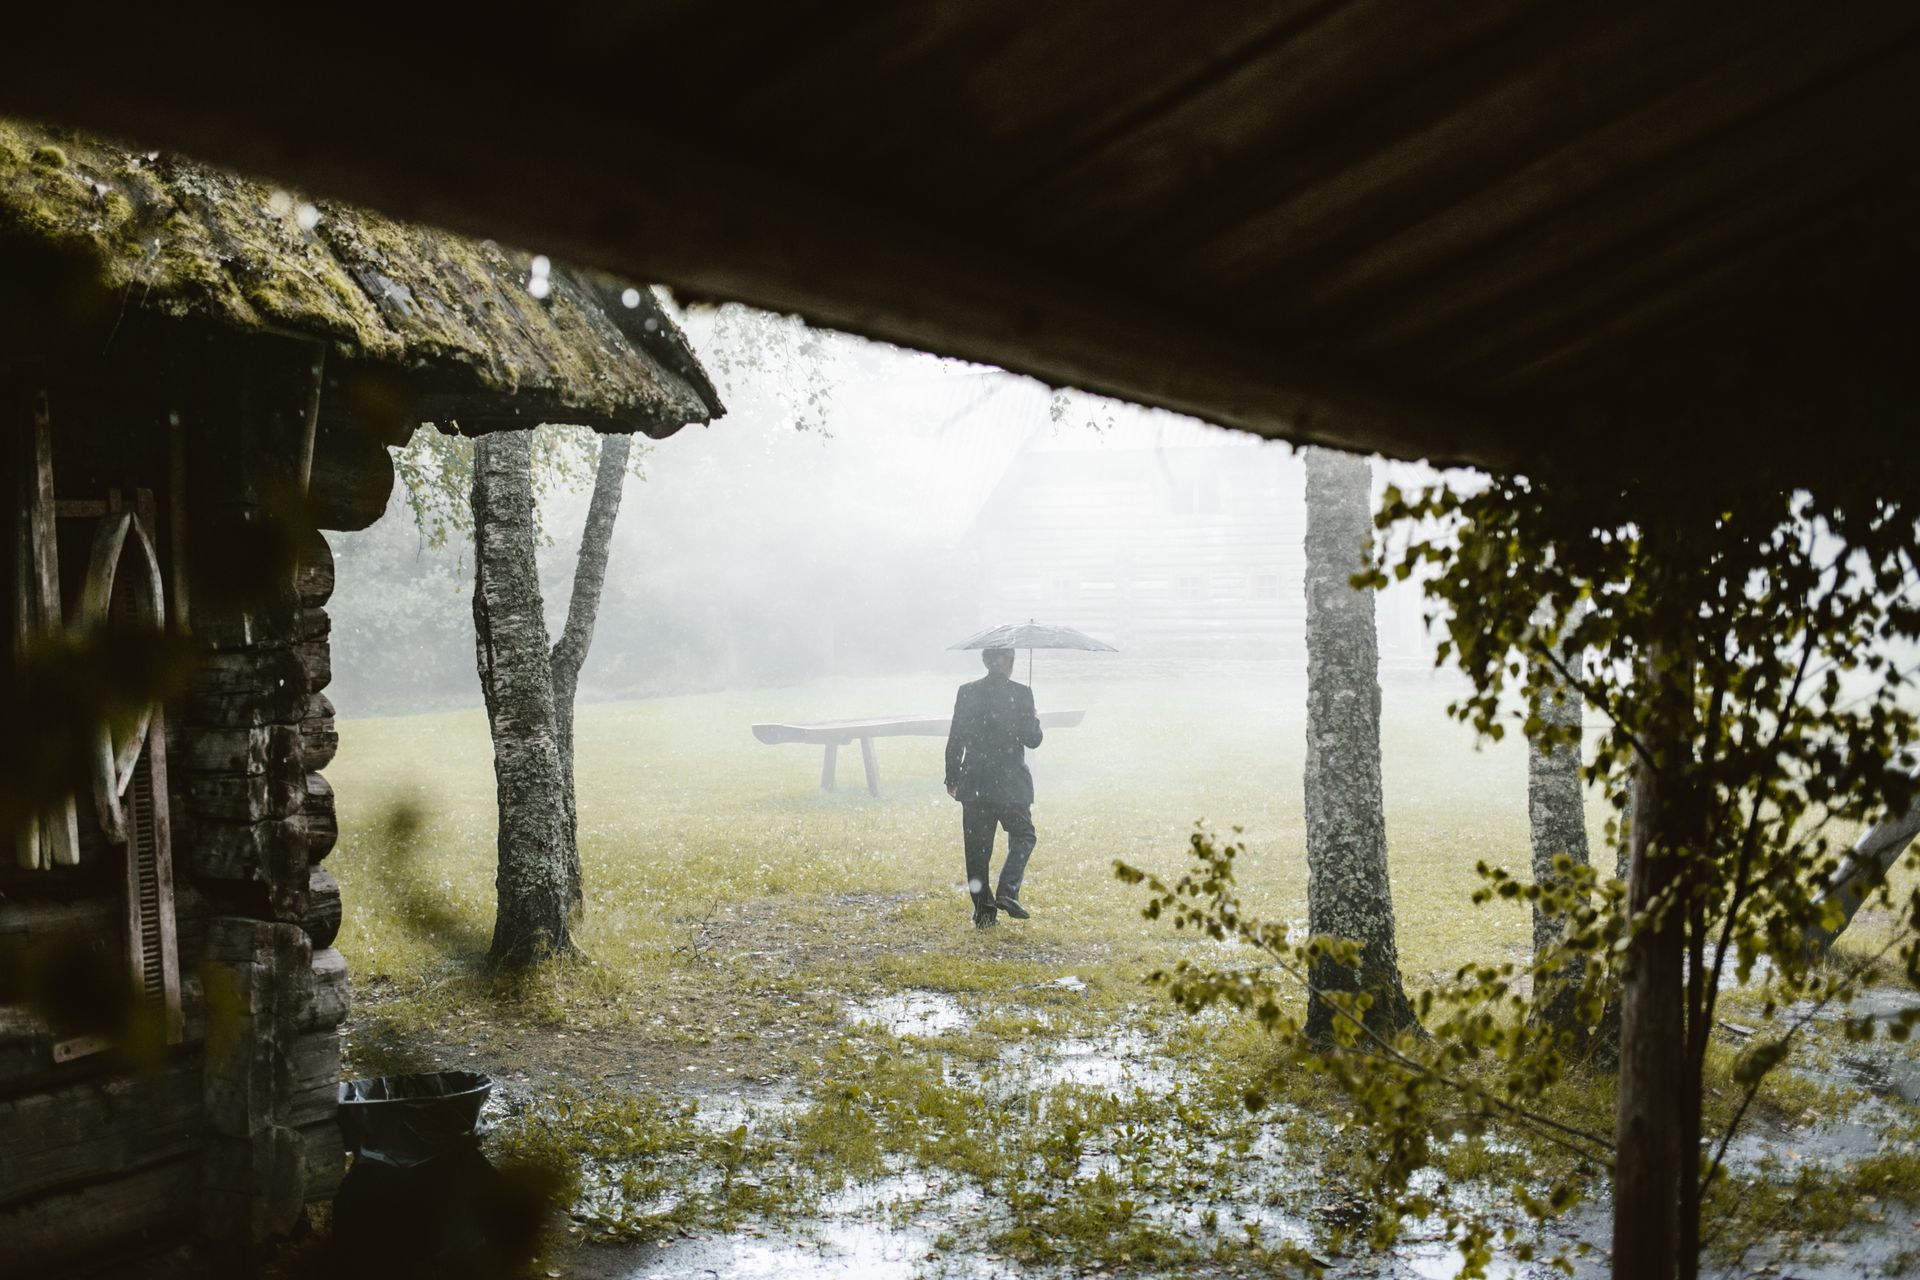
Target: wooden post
58,828
313,421
831,753
27,843
177,519
1652,1154
870,757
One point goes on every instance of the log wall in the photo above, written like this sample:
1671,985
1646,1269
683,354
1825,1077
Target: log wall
228,1134
259,729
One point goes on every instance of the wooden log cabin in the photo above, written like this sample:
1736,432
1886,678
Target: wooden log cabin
199,375
1193,547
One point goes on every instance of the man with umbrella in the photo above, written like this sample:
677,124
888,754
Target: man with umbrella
994,725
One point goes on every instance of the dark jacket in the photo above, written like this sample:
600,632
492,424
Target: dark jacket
993,725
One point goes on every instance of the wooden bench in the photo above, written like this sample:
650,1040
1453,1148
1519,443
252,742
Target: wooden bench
835,734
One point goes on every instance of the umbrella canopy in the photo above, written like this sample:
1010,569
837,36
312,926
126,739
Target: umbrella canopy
1033,635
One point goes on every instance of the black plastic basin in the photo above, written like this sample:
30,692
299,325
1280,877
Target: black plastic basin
407,1120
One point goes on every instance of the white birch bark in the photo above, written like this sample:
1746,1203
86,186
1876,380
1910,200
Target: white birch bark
1348,895
511,651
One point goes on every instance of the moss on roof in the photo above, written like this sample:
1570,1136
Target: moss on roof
183,239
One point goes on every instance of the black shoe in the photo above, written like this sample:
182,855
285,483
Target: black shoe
1012,907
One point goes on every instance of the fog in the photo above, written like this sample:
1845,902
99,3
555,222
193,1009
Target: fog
858,510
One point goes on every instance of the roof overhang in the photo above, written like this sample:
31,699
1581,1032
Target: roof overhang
1515,233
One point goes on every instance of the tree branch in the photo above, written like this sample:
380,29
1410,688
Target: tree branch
596,543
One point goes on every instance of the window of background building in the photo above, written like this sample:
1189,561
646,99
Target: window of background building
1198,496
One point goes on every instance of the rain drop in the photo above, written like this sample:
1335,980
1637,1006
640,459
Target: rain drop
539,286
280,204
631,299
308,217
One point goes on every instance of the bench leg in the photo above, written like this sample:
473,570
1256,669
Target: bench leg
826,765
870,757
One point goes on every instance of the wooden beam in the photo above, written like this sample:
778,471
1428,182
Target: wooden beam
1040,92
29,849
177,520
154,1204
87,1132
81,508
30,1056
304,472
58,834
1676,261
1273,121
870,759
1673,131
1468,125
1781,156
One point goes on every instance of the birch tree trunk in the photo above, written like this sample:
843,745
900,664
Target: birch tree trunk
1865,869
1556,821
1348,895
510,649
570,651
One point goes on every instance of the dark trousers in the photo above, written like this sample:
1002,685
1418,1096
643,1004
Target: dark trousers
978,822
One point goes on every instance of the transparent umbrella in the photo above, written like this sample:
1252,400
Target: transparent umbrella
1031,635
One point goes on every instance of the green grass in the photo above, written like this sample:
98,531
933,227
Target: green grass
680,808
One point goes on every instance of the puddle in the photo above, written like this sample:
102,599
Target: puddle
874,1231
723,1112
1885,1077
910,1013
1118,1062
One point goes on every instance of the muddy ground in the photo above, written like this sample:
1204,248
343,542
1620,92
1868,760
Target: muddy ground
761,998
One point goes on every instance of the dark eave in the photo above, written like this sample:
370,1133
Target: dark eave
1522,233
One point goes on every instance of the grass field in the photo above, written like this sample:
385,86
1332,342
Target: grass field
736,914
680,807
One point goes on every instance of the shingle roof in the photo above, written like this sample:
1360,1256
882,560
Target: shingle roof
461,317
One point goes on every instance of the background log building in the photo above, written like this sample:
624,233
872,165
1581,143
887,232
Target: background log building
199,373
1188,548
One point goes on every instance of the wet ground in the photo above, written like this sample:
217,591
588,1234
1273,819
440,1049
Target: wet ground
909,1225
918,1223
930,1222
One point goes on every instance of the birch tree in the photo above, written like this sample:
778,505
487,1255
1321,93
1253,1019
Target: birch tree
510,649
529,684
1348,895
1556,827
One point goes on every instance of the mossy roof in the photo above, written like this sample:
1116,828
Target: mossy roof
183,239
